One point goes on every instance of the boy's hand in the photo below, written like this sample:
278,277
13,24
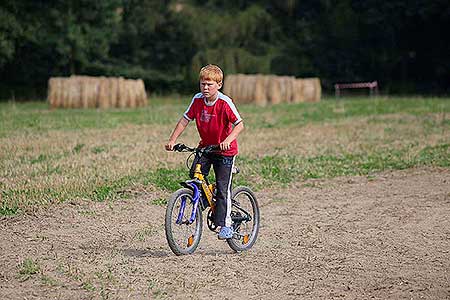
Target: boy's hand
169,146
225,146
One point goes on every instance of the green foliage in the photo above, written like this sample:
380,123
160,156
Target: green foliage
166,179
39,159
47,280
27,269
239,43
159,201
88,286
103,192
154,44
81,31
437,155
56,38
166,42
98,150
8,209
10,30
111,189
78,148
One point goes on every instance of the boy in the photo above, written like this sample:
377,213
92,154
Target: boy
218,123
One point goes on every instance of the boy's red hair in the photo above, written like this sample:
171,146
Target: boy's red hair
211,72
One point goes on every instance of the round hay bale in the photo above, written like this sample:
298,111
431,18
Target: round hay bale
239,90
50,85
260,95
263,89
290,89
131,89
237,94
103,95
250,89
67,92
282,82
318,89
228,85
242,82
142,94
74,99
113,84
84,86
297,94
122,93
274,92
286,89
52,92
245,88
311,89
64,93
58,92
90,92
94,85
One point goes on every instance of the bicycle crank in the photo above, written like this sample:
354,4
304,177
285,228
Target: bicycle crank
210,221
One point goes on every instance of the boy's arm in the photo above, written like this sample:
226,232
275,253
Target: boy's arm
179,128
225,145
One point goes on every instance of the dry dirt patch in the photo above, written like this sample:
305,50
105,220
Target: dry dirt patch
386,237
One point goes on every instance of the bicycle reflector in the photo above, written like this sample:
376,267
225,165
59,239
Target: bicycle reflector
245,239
190,240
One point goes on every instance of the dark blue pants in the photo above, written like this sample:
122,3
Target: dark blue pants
223,166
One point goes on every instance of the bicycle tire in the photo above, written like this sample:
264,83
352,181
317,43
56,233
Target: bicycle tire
182,238
246,233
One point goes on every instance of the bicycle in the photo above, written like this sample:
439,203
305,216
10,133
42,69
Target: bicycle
184,218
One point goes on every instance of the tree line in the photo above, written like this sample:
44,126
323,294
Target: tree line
402,44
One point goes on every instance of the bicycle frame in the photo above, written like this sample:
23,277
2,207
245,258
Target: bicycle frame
193,184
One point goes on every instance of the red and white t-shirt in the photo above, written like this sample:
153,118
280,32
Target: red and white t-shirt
214,120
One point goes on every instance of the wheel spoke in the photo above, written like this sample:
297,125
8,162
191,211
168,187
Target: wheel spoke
245,214
183,237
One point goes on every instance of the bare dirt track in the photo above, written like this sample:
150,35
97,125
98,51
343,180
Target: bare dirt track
385,236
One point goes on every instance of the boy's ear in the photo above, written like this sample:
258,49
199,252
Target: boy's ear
220,84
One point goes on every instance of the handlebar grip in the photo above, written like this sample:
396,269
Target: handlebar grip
179,147
211,148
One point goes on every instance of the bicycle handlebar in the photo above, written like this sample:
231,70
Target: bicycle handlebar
184,148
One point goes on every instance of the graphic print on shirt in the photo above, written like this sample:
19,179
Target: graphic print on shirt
206,116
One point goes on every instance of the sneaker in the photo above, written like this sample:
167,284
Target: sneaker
225,233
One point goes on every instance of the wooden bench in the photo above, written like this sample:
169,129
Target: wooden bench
372,86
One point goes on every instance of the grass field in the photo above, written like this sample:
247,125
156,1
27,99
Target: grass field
49,156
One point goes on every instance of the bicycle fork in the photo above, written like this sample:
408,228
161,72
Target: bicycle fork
195,200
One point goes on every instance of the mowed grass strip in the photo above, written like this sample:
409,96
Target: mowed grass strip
50,156
274,170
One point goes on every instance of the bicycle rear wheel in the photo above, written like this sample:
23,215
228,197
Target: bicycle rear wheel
245,216
183,237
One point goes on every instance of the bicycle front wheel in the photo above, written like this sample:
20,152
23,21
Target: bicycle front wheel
183,237
245,216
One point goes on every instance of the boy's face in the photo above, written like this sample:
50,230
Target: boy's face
209,88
